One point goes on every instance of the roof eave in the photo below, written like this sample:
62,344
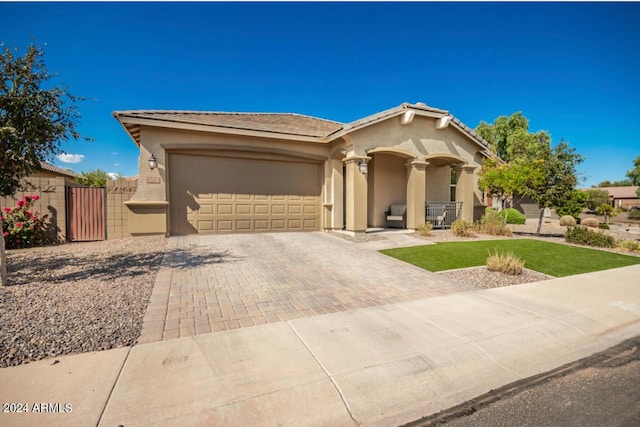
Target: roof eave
135,137
127,119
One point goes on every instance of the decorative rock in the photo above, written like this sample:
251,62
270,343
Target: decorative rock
76,298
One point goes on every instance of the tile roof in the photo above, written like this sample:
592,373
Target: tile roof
55,169
292,124
283,123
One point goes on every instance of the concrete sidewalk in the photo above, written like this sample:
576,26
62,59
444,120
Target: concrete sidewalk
384,365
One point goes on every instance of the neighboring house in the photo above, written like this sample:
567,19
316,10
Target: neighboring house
50,171
249,172
49,182
622,197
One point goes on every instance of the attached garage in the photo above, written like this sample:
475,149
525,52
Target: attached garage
213,193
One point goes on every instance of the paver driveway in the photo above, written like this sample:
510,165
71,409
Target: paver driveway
211,283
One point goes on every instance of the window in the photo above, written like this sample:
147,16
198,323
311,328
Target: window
454,181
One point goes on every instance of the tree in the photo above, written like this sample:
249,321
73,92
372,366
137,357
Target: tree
596,197
607,183
547,175
509,137
35,118
634,174
560,179
94,178
574,205
508,180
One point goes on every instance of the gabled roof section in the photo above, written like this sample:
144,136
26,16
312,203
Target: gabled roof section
55,169
288,125
421,109
395,111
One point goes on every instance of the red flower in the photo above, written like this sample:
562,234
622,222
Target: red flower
27,199
20,203
7,209
5,233
36,197
18,224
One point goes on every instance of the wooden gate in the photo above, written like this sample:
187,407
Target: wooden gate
86,214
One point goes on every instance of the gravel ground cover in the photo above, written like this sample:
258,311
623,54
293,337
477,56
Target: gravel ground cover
76,297
482,278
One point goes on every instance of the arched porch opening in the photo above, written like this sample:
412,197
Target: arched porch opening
386,185
445,193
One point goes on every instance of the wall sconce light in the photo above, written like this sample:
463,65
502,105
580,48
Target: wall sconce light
152,162
362,165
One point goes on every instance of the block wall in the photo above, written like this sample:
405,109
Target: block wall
118,192
51,202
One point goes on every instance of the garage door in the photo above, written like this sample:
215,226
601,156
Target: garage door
224,194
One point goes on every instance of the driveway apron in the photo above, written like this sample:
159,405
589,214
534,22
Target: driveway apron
211,283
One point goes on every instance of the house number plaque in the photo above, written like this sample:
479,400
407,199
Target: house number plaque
153,180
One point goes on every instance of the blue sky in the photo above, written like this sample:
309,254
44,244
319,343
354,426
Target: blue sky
572,68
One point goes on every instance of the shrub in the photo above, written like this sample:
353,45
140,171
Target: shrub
513,216
584,236
634,214
462,228
424,229
567,221
590,222
505,263
630,245
492,224
20,227
604,226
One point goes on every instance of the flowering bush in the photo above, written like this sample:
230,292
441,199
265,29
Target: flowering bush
20,227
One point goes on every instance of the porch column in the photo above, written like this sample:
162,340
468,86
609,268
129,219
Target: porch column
465,191
337,189
416,180
356,195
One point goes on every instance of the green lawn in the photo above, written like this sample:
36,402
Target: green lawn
554,259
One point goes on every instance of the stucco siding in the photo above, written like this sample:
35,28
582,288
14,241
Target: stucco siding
420,137
438,187
387,185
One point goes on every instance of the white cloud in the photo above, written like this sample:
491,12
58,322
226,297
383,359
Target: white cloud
70,158
112,175
116,164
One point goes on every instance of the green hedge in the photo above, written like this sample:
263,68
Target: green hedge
513,216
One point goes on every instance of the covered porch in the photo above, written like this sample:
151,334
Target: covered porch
439,190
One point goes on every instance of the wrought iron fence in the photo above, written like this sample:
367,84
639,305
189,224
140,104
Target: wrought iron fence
442,214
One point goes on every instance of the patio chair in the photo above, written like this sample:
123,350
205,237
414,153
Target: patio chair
437,216
440,219
397,216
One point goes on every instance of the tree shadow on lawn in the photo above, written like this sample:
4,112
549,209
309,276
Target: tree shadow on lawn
541,235
66,268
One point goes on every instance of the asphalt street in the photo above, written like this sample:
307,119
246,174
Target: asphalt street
600,390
